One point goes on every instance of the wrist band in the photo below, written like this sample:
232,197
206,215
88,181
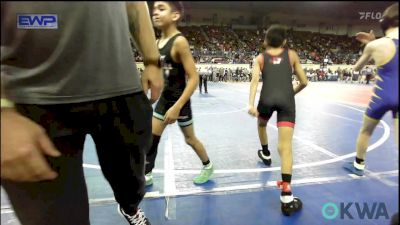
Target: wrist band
5,103
153,62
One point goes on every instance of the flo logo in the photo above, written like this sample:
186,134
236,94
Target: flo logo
363,210
370,15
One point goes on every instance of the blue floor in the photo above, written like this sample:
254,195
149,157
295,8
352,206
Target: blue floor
263,207
242,190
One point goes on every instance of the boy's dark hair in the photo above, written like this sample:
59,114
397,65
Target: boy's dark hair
177,6
390,17
275,36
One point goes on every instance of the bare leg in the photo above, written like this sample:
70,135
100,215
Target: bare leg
364,136
262,131
198,147
285,148
396,130
158,126
193,142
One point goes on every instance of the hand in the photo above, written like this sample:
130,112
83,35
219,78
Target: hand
23,146
364,37
152,78
171,115
253,111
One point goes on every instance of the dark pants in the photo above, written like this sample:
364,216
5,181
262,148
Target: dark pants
395,219
121,130
203,81
368,78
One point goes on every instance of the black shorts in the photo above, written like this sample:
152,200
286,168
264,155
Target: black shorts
286,111
185,116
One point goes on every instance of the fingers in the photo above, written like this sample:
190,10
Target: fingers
155,93
168,119
362,34
253,113
38,169
154,81
23,151
30,166
145,86
47,146
14,172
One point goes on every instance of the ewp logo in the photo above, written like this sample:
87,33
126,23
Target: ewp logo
331,211
37,21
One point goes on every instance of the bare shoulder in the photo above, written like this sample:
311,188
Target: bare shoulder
180,49
293,52
293,57
181,42
259,57
381,43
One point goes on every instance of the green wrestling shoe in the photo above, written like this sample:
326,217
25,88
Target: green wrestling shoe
149,178
205,174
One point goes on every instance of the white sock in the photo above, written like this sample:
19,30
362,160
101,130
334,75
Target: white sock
264,156
358,166
286,198
208,166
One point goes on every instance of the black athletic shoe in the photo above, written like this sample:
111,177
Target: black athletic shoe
291,207
138,219
395,219
266,159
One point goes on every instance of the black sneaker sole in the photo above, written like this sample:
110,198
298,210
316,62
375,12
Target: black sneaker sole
287,211
267,162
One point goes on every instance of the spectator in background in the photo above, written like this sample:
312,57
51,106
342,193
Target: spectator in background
368,74
203,74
